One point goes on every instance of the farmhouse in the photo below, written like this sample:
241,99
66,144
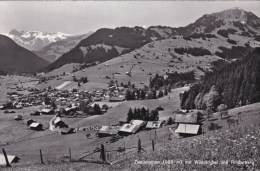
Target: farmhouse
47,111
18,118
132,127
64,131
153,124
105,131
36,126
30,121
187,124
188,129
56,123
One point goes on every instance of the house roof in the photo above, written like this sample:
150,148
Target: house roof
188,118
188,129
153,124
129,128
56,120
107,130
2,159
138,122
35,124
66,130
46,110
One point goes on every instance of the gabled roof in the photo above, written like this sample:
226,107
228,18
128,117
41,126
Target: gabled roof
129,128
186,118
46,110
138,122
34,125
188,129
154,124
107,130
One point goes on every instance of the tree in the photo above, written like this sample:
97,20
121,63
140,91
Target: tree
47,100
53,105
130,115
128,95
154,116
170,121
142,94
97,109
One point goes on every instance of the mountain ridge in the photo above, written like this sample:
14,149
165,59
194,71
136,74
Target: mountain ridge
123,36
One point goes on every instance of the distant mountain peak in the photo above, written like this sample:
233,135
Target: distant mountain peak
34,40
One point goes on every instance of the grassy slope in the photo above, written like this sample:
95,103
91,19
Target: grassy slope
239,143
147,62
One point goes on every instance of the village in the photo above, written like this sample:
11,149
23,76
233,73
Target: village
51,110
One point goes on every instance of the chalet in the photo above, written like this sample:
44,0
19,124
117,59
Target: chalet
132,127
187,124
64,131
153,124
47,111
30,121
105,131
56,123
18,118
188,129
11,159
36,126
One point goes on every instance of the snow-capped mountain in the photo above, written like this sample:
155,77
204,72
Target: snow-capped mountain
54,50
34,40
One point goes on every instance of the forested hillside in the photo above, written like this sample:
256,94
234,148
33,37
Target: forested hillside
231,84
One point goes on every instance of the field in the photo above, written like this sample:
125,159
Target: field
218,145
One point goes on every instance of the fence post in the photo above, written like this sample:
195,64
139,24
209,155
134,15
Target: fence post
103,154
155,136
6,159
139,145
153,144
70,154
41,157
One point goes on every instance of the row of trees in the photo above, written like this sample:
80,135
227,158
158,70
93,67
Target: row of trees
195,51
142,114
159,82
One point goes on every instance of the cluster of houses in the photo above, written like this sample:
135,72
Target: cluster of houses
186,125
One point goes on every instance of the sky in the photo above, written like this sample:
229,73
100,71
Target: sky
79,17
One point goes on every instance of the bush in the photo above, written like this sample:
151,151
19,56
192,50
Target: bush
231,41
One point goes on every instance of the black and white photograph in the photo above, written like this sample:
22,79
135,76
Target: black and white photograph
129,85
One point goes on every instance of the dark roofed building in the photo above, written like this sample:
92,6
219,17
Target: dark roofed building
186,118
64,131
36,126
30,121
